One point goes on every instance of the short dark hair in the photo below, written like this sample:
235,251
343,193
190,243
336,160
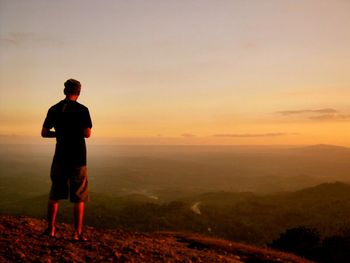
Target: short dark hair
72,87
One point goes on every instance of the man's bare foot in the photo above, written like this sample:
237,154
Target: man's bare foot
79,237
51,232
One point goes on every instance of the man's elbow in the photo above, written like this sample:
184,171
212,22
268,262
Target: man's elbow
43,133
47,133
87,133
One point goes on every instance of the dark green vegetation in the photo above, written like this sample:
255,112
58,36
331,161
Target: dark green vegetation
307,243
246,194
240,217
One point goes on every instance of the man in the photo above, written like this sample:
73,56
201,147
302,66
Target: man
71,124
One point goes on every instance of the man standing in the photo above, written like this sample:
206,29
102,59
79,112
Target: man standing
71,124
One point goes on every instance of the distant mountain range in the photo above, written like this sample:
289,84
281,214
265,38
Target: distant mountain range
323,148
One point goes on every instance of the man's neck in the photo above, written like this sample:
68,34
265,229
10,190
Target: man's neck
72,97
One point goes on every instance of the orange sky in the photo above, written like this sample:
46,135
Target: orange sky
181,72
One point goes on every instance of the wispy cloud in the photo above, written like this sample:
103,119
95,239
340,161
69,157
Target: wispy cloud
326,117
249,135
326,114
16,39
295,112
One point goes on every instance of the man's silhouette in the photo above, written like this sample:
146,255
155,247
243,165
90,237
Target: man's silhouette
71,124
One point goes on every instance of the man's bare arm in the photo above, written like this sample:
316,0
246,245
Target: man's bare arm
47,133
87,132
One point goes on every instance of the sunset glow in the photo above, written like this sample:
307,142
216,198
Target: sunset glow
181,72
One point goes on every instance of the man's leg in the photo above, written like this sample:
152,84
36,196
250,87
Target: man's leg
78,195
52,209
78,217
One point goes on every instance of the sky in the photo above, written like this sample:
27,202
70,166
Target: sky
255,72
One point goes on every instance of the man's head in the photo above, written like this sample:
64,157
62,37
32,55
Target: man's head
72,87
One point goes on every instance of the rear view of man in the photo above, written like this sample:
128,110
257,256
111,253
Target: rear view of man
71,124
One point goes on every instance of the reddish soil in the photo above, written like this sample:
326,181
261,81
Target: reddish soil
21,240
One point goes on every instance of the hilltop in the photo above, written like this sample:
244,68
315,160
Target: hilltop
21,240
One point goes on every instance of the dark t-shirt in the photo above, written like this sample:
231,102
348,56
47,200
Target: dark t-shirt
69,119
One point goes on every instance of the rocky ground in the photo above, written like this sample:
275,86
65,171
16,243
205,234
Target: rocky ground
21,240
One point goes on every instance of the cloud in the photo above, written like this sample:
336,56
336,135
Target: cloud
250,135
326,114
16,39
295,112
326,117
188,135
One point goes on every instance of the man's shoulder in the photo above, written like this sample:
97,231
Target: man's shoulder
75,104
80,107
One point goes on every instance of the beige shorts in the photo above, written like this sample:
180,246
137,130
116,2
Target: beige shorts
69,182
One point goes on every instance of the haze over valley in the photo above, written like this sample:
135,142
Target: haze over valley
165,173
234,192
